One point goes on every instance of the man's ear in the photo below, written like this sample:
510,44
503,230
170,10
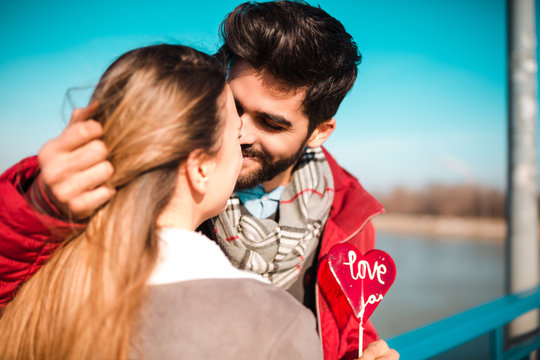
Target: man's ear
199,167
321,133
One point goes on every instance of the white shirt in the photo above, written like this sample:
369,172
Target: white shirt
187,255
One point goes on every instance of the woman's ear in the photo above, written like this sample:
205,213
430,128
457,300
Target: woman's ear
321,133
199,167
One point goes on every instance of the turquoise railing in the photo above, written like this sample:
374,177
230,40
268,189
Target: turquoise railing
443,335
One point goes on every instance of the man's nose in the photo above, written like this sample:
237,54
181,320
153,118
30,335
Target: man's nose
248,131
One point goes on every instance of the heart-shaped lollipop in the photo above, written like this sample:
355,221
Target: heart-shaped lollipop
364,279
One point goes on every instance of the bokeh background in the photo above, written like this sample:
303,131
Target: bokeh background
424,127
428,106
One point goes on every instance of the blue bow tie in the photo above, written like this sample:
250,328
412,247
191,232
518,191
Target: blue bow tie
259,203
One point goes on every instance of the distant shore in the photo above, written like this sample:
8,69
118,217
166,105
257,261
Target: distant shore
481,229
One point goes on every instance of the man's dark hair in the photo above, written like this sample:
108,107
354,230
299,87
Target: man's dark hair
300,45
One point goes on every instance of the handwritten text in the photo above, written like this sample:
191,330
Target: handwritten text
363,268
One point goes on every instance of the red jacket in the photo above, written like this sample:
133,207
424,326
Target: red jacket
28,238
349,221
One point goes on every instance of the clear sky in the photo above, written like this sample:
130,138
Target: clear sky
429,104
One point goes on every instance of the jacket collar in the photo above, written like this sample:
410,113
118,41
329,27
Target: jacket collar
353,206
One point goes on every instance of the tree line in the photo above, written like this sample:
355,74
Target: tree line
446,200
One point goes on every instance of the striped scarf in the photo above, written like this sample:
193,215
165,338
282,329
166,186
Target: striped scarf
273,249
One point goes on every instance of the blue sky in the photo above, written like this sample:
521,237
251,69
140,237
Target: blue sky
429,104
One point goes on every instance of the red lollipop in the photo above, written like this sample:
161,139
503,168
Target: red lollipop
364,279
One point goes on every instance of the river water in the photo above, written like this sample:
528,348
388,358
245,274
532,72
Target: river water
437,277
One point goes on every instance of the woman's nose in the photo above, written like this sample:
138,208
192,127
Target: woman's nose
247,134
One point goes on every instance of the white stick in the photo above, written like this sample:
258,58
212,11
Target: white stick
360,339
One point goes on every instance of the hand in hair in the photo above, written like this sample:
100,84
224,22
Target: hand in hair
74,167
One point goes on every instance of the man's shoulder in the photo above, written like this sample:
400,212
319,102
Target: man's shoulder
346,184
352,207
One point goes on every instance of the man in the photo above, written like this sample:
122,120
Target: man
290,66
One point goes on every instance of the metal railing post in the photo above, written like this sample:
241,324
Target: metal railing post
522,208
496,344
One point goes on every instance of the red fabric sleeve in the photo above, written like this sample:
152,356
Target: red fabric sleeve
27,237
37,197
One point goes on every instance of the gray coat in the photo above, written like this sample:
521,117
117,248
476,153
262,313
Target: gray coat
225,319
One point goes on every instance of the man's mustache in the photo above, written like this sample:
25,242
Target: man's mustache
251,152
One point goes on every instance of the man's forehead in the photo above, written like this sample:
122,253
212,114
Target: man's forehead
278,88
241,68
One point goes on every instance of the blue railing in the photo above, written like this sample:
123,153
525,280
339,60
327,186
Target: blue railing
490,318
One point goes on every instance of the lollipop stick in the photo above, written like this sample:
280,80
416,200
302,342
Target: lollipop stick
360,339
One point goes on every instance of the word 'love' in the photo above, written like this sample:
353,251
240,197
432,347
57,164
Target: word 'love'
364,268
363,279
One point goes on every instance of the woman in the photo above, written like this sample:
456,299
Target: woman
138,281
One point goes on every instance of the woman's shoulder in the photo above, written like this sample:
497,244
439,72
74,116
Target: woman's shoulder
237,293
229,318
227,299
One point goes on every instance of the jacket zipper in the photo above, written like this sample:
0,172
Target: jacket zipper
318,314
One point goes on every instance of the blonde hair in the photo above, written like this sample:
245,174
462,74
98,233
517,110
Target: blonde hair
156,104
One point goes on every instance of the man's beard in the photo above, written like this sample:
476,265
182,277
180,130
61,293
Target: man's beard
268,169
